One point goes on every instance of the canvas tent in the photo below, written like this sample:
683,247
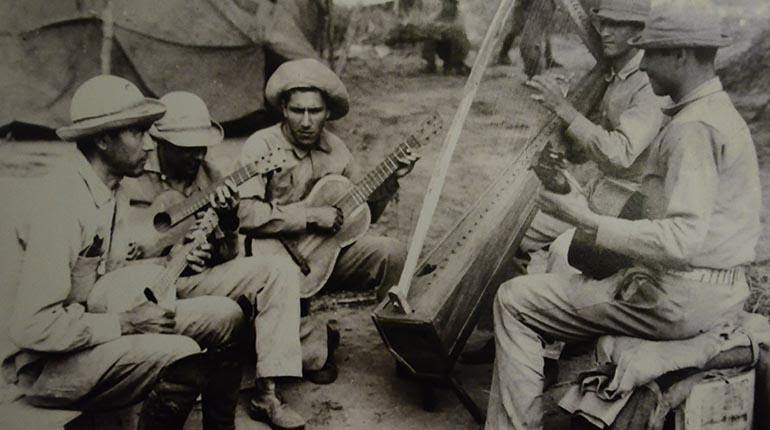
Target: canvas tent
215,48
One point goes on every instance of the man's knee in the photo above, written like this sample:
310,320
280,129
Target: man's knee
386,250
514,294
159,349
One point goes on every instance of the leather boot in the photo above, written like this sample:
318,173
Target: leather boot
220,397
267,407
173,396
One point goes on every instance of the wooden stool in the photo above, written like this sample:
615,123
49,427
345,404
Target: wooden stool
718,403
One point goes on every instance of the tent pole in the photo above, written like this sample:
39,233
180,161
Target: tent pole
107,36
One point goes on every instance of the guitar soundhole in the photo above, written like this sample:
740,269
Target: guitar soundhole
162,221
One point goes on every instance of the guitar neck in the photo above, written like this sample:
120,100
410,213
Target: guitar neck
364,188
174,268
201,200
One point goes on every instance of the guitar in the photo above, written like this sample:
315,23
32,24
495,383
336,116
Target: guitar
163,224
617,201
316,253
127,287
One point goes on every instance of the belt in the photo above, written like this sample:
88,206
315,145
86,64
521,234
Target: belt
711,276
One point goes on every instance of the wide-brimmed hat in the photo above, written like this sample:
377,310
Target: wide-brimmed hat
187,122
682,24
105,103
308,73
623,10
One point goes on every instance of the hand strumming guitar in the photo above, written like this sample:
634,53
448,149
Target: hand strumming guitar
199,258
147,318
325,219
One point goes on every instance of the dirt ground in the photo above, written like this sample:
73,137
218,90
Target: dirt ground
390,97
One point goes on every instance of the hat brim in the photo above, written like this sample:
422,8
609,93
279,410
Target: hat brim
642,42
149,111
618,16
192,138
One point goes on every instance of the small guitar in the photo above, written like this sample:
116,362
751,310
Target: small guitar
316,253
584,254
127,287
164,223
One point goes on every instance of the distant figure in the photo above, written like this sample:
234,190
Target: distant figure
534,32
444,38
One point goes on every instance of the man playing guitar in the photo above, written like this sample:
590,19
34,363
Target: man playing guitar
177,167
308,94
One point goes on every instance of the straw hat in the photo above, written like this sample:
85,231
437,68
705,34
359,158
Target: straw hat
308,73
187,122
105,103
623,10
681,24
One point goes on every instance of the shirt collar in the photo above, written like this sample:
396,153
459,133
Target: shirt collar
153,163
630,67
100,193
707,88
323,145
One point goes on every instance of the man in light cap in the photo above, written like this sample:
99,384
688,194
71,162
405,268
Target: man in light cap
178,168
616,137
308,94
64,355
701,184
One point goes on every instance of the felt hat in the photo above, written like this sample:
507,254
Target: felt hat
681,24
108,102
187,122
308,73
623,10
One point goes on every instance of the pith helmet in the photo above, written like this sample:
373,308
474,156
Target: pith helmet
105,103
187,122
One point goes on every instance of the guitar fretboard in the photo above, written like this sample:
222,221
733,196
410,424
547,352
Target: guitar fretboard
198,202
364,188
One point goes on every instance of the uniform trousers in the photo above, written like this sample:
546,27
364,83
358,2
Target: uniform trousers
638,302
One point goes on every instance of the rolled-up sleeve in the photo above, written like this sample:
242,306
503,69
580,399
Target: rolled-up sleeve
689,189
43,320
620,147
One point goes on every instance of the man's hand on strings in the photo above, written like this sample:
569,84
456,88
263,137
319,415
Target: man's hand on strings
199,257
406,162
551,95
571,207
226,197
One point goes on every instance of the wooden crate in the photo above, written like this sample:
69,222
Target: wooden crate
719,403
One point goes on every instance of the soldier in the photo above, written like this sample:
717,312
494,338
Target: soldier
63,354
308,94
701,184
178,166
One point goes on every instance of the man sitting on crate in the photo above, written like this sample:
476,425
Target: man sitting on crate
701,184
177,168
62,353
308,94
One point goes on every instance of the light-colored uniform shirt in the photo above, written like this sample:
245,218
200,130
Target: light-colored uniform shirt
629,118
67,240
274,201
702,187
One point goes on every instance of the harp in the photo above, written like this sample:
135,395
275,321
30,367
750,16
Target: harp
429,316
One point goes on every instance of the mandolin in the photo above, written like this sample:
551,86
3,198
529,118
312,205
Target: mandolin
163,224
130,286
316,253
